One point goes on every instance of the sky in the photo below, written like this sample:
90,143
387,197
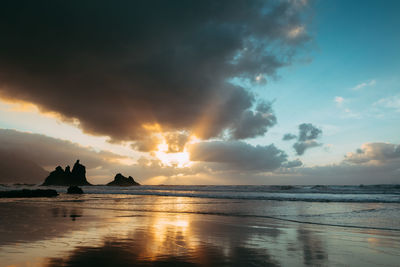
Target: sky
207,92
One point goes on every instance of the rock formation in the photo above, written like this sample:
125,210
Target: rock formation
67,178
29,193
73,189
121,180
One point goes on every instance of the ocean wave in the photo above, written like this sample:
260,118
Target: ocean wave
252,195
365,194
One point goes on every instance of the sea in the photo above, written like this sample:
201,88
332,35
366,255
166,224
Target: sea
362,206
203,225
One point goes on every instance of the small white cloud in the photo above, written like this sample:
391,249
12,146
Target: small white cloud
364,84
339,100
392,102
347,112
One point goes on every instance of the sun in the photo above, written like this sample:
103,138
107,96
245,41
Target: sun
178,159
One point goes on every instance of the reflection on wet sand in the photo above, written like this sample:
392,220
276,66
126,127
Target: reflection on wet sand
65,212
29,223
84,234
313,248
172,240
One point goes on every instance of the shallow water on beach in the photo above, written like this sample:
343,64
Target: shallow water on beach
149,230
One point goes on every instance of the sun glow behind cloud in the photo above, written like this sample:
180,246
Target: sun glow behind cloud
22,111
27,117
178,159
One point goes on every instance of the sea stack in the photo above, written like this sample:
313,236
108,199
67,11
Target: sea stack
120,180
67,178
73,189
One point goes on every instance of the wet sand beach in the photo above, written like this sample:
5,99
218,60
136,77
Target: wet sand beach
120,230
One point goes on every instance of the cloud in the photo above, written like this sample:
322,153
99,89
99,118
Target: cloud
296,31
48,152
254,123
176,142
339,100
392,102
147,144
293,164
22,156
122,66
289,136
247,164
301,147
347,112
238,155
306,138
374,152
308,132
16,168
373,163
364,84
342,174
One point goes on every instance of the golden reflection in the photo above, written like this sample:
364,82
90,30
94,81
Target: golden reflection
167,234
157,231
372,240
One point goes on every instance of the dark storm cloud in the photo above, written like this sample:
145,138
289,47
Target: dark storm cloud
238,155
117,65
306,138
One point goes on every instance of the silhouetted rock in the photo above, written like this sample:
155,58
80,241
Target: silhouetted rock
121,180
29,193
73,189
67,170
66,178
79,173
